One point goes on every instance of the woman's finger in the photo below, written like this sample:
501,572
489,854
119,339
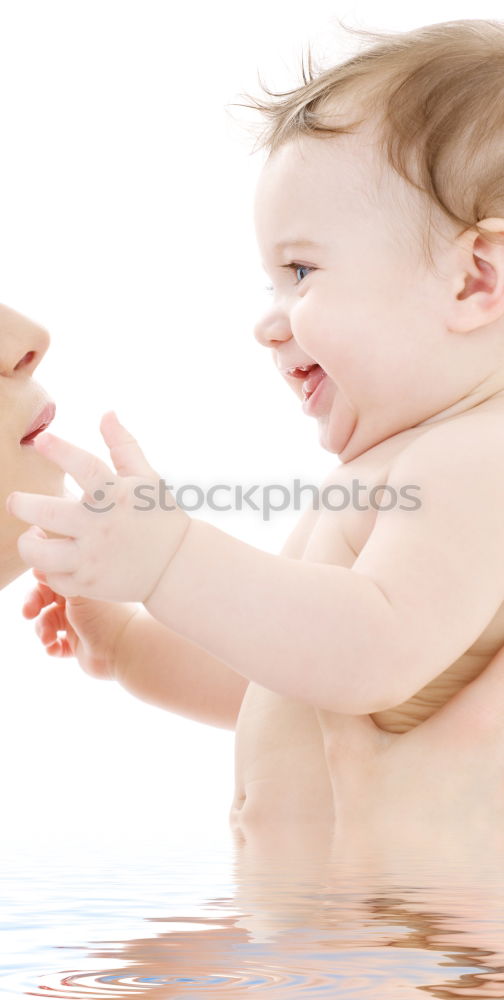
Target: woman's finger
33,603
43,584
60,648
39,596
49,623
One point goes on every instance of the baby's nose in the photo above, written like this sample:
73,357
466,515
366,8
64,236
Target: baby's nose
272,329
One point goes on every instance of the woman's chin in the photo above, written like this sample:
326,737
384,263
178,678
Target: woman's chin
55,483
42,475
11,564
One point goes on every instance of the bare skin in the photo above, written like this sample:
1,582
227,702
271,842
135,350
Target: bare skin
403,350
415,792
23,344
404,610
303,771
402,815
326,748
423,807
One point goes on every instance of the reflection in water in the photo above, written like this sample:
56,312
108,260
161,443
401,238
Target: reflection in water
280,916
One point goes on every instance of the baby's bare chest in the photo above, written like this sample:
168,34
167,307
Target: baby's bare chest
280,760
338,537
280,766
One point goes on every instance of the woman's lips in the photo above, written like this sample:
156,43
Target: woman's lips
40,423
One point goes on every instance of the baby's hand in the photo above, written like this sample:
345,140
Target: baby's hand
119,537
91,628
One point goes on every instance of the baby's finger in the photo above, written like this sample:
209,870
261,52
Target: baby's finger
125,452
51,555
65,517
86,469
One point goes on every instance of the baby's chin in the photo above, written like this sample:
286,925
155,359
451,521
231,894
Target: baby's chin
336,428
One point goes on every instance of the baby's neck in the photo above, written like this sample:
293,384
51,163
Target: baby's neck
488,395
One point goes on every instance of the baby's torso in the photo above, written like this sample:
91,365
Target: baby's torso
280,766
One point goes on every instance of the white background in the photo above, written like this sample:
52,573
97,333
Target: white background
126,193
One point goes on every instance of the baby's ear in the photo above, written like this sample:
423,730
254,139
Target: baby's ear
477,279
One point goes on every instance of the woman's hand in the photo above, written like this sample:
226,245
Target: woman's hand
442,779
91,629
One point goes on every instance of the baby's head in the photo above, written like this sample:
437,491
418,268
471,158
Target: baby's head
393,165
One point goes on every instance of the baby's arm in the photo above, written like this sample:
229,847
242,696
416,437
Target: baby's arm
166,669
351,640
122,642
358,640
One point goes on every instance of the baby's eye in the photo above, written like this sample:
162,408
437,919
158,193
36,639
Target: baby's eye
299,267
293,267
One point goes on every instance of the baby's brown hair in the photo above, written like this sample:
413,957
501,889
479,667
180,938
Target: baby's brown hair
437,94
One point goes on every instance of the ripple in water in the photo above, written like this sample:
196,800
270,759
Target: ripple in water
226,925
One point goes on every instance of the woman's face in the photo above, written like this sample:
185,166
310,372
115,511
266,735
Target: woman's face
23,344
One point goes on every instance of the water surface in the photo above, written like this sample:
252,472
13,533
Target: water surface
224,920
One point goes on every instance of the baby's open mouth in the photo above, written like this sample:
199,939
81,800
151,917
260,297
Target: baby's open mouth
44,418
312,375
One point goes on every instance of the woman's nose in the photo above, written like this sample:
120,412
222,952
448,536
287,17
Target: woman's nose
21,350
272,328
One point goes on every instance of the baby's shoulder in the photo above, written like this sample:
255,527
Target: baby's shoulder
475,432
479,424
466,445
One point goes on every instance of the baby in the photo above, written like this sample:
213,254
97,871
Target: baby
390,330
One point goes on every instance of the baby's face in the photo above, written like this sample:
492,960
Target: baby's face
362,304
22,345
